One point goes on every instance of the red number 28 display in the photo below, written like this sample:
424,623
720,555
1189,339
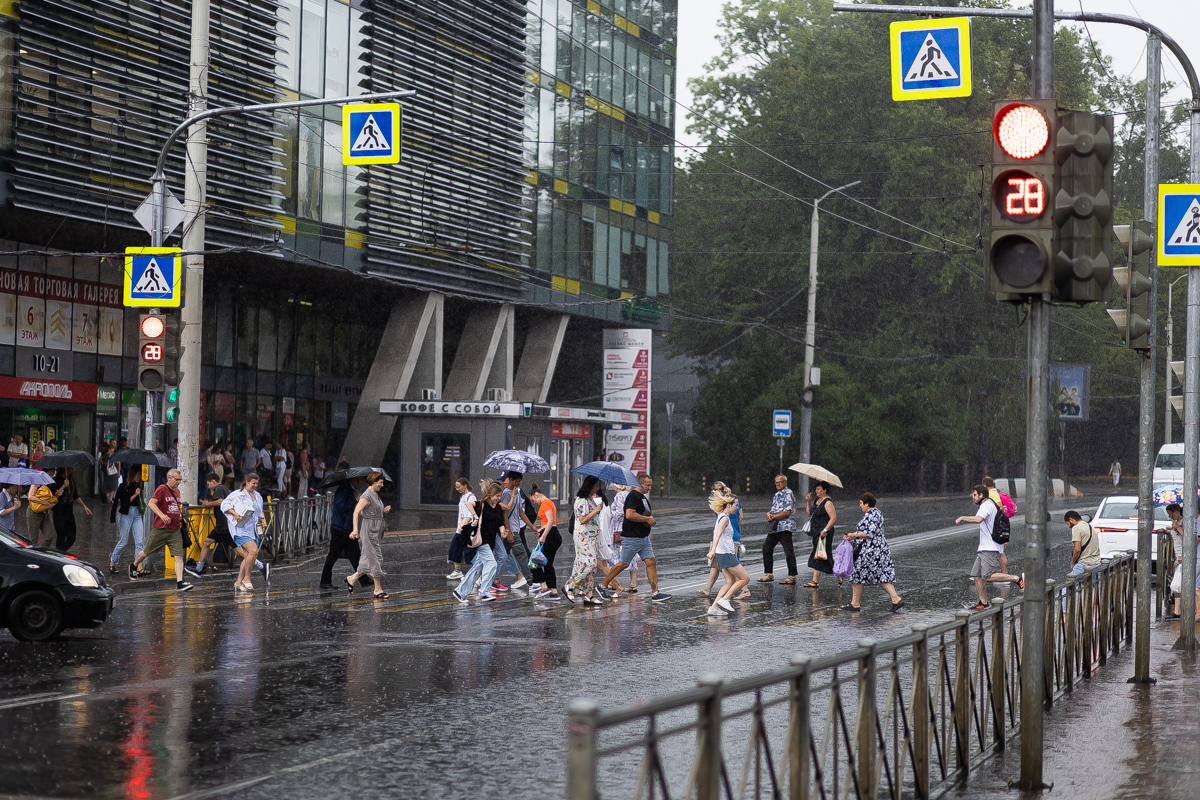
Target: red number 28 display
1024,197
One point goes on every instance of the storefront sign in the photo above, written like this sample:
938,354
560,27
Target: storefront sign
570,430
51,391
106,400
37,362
627,387
450,409
334,389
8,305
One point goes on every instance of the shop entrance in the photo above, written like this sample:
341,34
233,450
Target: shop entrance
565,455
444,459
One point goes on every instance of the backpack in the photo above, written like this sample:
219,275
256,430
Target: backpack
1001,528
1010,507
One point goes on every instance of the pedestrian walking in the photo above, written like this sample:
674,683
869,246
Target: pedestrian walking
127,511
368,530
468,514
822,516
340,524
550,540
986,568
782,518
304,472
39,523
489,527
230,464
212,497
723,552
10,502
1115,470
173,453
165,528
63,513
281,469
244,509
318,469
635,538
873,565
587,505
1007,508
513,501
617,511
110,472
735,522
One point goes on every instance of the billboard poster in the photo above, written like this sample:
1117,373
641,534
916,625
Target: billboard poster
1069,385
627,387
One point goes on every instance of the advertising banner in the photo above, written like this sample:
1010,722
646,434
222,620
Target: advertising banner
627,387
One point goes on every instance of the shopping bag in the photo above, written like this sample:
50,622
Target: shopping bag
537,558
1177,581
843,559
821,552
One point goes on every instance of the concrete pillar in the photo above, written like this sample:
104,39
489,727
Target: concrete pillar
409,359
484,358
539,357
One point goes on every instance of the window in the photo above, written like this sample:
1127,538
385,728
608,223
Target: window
268,341
308,189
333,177
664,251
587,242
312,38
444,459
337,49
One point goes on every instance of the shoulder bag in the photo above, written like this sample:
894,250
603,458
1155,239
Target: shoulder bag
477,534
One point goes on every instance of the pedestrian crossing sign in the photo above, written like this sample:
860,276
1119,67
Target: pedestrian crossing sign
371,133
153,277
1179,225
931,59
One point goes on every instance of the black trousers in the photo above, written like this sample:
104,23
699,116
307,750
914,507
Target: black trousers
341,546
789,553
546,574
64,528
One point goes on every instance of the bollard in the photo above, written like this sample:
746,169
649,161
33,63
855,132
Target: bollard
581,750
708,740
800,729
920,712
867,751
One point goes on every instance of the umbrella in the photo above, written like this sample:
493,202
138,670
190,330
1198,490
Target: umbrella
129,456
516,461
66,458
1166,495
816,472
609,472
19,476
343,475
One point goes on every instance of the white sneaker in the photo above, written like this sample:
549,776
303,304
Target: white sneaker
455,576
520,582
725,604
716,611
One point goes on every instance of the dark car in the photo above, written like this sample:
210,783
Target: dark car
43,591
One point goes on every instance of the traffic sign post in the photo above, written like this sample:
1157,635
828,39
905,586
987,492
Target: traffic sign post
931,59
1179,225
781,429
371,133
152,277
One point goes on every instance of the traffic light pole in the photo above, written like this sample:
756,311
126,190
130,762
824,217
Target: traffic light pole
1191,418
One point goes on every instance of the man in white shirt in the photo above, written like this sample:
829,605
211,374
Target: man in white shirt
986,568
18,451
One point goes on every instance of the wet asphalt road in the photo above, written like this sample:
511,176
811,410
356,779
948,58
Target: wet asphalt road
291,694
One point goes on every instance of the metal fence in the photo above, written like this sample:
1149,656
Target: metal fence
896,719
295,524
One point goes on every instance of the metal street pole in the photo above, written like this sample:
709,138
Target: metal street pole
980,457
1191,418
670,444
1167,407
1037,435
810,338
1141,656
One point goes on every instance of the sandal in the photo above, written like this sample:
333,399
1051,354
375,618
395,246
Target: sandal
349,585
851,607
788,581
766,578
811,585
380,596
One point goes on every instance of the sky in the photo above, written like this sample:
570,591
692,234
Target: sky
699,24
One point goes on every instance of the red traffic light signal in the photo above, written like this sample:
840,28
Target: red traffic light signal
1021,130
152,327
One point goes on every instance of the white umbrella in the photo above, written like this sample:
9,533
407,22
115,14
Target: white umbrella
816,472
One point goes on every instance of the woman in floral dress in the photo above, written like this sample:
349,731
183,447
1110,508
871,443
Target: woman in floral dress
873,565
586,536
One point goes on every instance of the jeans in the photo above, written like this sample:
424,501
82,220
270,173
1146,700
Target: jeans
517,562
483,566
128,523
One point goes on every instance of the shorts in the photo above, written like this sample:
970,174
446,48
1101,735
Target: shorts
239,540
160,538
632,546
987,563
220,533
727,560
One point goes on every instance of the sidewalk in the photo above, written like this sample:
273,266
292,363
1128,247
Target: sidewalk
1112,739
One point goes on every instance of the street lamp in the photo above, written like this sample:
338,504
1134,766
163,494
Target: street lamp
1170,352
979,456
670,443
810,337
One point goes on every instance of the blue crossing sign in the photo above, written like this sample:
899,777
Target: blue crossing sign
1179,225
371,133
153,277
931,59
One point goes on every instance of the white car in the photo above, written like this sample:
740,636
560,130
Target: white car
1168,467
1116,525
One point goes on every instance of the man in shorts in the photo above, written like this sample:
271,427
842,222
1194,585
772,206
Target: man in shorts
987,556
164,528
220,532
635,539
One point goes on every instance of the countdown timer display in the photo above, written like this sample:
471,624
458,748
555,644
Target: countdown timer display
1020,197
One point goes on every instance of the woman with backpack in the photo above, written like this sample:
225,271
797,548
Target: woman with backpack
873,565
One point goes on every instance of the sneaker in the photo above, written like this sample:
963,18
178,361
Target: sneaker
520,583
194,571
660,597
191,562
603,594
487,598
265,569
460,598
497,586
457,575
979,607
716,611
1021,582
550,597
183,586
132,572
725,604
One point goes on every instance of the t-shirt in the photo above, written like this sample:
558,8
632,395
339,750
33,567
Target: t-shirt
641,504
16,452
465,514
8,520
1091,553
725,544
167,500
547,512
218,492
249,459
515,523
987,510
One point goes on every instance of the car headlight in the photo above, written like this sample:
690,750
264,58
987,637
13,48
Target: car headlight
79,576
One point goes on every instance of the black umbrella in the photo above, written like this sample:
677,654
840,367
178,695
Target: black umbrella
141,457
343,475
66,458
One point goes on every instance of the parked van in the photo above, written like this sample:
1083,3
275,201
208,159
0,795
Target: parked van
1168,467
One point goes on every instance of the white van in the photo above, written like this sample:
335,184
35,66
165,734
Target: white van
1168,467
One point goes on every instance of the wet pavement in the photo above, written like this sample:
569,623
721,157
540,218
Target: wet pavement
290,693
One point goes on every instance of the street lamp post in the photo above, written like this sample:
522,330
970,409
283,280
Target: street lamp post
979,457
670,444
810,337
1170,354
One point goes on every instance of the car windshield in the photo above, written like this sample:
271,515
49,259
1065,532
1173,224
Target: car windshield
1127,510
12,540
1169,461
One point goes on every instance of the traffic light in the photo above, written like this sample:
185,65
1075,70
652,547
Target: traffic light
172,349
1023,182
1083,144
1134,280
151,334
171,404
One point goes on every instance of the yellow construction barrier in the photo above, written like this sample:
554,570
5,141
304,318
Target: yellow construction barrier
201,520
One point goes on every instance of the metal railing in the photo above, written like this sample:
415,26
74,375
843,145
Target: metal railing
896,719
295,524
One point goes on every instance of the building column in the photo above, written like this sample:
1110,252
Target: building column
484,358
409,360
539,357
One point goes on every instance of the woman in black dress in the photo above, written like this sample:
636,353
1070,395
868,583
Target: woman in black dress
821,517
63,512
